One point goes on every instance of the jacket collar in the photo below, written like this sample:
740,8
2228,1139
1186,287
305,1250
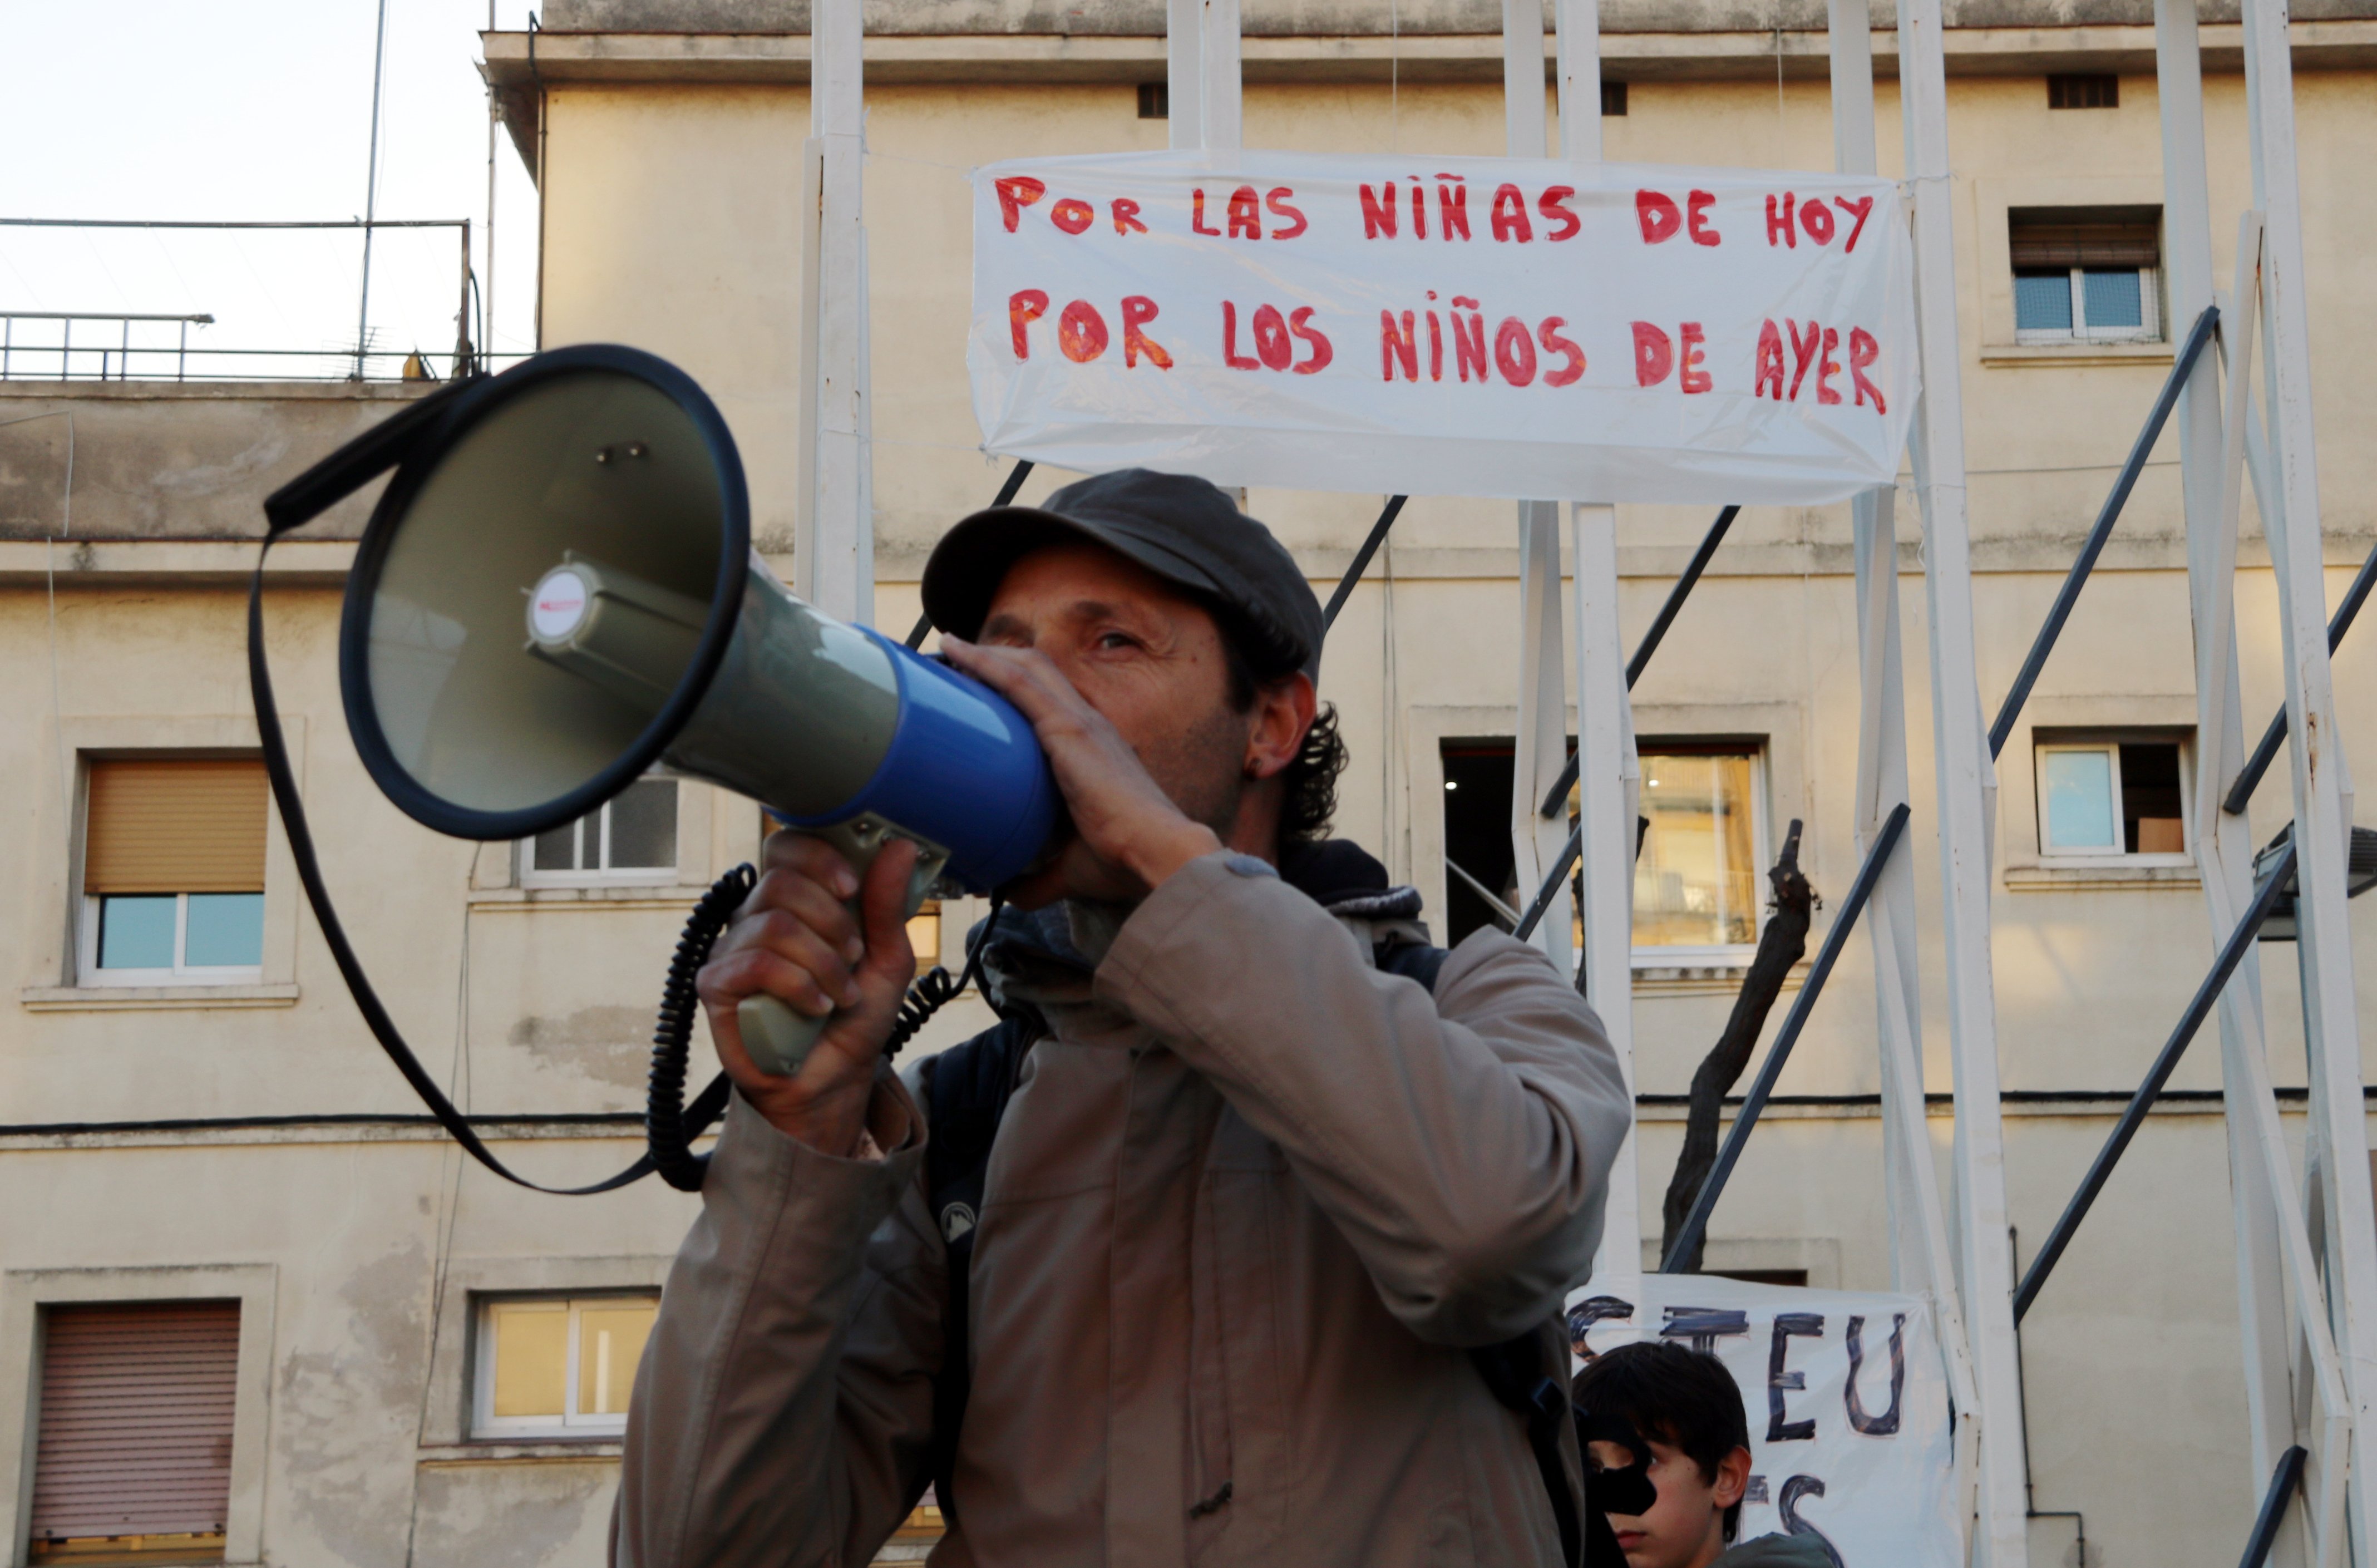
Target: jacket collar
1048,955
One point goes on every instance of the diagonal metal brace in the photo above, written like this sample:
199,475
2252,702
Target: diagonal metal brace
2241,793
1556,799
2232,952
2069,596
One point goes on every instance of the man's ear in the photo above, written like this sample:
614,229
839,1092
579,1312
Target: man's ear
1732,1478
1283,710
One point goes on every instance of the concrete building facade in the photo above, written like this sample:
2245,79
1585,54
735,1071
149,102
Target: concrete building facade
226,1133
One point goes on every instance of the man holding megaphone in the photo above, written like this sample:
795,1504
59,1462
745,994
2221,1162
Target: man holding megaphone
1268,1170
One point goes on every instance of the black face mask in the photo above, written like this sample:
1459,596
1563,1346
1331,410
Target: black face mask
1629,1491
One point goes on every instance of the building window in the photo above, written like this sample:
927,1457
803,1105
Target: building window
131,1462
1613,97
1698,879
631,838
2084,91
1155,100
552,1367
2110,794
172,876
2086,274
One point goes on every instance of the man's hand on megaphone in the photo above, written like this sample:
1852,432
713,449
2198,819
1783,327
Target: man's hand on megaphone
1129,835
798,940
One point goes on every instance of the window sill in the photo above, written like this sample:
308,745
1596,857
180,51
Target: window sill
149,998
486,1450
2005,355
1717,977
615,895
2155,872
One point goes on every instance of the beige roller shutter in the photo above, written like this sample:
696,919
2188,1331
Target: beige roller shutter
175,825
2085,244
135,1423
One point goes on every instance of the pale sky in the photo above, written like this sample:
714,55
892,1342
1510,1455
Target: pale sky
252,109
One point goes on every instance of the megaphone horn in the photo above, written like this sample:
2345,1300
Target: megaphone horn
557,592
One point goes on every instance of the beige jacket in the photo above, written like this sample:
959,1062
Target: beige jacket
1246,1209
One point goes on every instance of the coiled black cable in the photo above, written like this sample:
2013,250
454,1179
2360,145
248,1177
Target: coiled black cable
671,1125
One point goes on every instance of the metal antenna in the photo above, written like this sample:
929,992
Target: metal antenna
371,189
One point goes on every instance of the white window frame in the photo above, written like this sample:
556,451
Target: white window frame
2120,853
484,1424
1724,955
2148,330
624,877
86,958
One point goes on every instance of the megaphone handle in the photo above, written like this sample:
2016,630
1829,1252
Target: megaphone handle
777,1039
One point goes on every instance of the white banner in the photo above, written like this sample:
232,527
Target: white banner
1446,326
1847,1398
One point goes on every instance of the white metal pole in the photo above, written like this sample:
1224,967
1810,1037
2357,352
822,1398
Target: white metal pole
834,549
2322,788
1578,39
1184,73
2223,845
1219,118
1966,788
1921,1258
1608,776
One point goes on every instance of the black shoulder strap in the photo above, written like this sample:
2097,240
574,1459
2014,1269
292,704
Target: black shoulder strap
1413,961
966,1091
1515,1370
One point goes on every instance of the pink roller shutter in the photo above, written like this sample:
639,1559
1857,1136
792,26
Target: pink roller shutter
135,1419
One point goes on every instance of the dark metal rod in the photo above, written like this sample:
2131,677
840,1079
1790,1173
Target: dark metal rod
1560,869
1361,562
2232,952
2283,1479
2044,643
2241,793
1745,1120
1556,801
1007,489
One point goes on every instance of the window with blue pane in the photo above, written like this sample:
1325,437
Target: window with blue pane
2111,793
174,859
2086,274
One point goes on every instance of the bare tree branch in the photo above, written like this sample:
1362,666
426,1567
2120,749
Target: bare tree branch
1782,944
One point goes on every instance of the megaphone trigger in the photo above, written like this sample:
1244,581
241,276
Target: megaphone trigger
777,1039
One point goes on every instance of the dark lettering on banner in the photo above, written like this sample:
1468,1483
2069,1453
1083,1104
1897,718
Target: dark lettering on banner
1885,1424
1593,1310
1788,1326
1704,1326
1793,1489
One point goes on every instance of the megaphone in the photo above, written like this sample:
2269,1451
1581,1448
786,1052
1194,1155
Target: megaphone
557,593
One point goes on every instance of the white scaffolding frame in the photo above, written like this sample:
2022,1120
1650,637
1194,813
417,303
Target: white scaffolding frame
2306,1253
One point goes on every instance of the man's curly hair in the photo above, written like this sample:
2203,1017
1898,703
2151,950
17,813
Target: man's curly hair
1312,778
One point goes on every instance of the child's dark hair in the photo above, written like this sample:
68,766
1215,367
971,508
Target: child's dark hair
1677,1395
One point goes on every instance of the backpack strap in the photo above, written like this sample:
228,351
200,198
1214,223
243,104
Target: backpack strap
1514,1373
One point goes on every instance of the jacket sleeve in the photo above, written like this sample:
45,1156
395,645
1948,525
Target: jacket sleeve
1460,1143
783,1408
